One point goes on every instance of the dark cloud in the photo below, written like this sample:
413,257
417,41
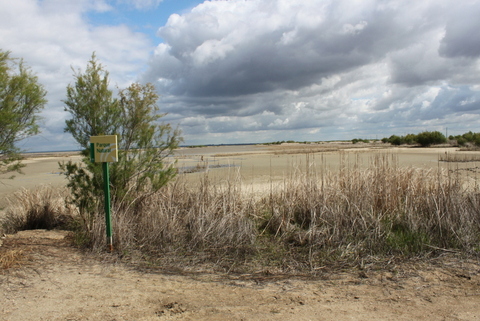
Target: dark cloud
457,100
461,32
204,55
285,67
421,104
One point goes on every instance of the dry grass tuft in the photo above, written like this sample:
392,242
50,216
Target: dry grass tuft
42,208
11,258
182,219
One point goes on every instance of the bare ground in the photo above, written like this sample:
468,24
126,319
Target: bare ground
51,280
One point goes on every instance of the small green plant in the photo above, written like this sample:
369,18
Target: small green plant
402,239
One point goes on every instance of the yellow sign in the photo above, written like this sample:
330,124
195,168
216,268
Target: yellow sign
104,148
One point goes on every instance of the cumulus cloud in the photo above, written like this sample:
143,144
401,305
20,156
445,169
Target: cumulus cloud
285,65
54,36
257,70
244,47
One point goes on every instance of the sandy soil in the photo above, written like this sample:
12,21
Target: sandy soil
54,281
41,169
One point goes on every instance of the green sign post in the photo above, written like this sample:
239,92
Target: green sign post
103,149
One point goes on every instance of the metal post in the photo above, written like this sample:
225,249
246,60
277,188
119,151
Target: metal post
92,152
106,189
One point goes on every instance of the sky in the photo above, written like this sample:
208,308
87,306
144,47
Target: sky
252,71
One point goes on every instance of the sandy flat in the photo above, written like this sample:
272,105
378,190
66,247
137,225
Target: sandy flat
256,166
39,171
259,166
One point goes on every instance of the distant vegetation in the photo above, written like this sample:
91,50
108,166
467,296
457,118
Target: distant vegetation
429,138
424,139
462,140
359,140
284,141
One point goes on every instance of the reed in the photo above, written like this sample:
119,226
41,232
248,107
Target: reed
459,157
383,209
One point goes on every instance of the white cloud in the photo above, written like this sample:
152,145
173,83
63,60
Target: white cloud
318,63
141,4
354,29
266,69
54,36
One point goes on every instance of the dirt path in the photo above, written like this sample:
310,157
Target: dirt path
55,281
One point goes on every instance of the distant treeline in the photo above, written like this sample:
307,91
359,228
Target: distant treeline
280,142
462,140
424,139
428,138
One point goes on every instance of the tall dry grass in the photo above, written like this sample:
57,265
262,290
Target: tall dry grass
459,157
182,219
312,218
383,209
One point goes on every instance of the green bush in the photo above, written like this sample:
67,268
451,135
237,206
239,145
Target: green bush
360,140
461,141
144,143
427,138
395,140
410,139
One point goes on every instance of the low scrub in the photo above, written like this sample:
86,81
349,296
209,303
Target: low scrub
424,139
